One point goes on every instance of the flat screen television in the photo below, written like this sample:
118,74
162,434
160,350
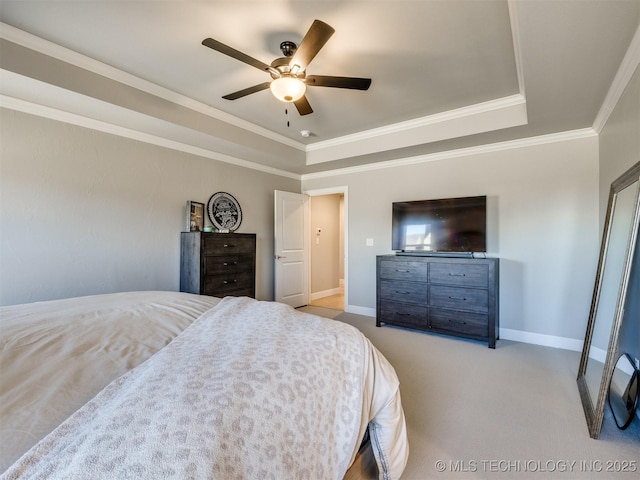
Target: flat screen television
446,225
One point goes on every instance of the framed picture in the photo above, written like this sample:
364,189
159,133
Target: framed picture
224,212
195,217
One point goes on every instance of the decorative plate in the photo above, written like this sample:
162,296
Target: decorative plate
224,211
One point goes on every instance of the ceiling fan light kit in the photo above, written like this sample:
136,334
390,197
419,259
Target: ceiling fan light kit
288,89
289,76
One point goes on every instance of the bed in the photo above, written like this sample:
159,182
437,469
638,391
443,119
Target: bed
175,385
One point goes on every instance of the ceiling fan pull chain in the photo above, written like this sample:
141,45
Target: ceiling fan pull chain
286,114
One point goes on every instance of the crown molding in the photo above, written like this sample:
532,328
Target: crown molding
79,60
462,152
479,118
625,72
24,106
456,114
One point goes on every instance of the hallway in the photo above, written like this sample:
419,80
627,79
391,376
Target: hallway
332,301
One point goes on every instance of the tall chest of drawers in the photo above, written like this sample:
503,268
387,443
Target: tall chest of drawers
218,264
455,296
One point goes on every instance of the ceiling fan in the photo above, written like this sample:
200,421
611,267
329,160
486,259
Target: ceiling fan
289,78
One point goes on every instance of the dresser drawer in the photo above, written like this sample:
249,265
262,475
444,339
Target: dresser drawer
227,264
406,292
458,298
416,271
465,323
463,275
221,285
404,314
228,244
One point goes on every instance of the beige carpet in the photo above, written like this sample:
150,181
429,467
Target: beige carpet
509,413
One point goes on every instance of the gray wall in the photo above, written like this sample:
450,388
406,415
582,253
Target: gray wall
619,150
542,223
85,212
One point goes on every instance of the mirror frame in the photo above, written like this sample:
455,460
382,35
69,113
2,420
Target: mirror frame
594,411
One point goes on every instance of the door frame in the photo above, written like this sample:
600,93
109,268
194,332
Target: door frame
344,190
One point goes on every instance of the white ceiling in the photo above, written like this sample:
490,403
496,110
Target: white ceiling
447,74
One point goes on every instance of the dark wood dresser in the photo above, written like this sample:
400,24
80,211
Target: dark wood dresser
455,296
218,264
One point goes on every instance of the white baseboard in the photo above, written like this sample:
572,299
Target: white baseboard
541,339
505,333
325,293
366,311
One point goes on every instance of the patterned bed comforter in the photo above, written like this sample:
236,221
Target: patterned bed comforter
248,390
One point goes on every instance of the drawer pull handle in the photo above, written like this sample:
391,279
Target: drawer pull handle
403,271
403,314
460,322
227,282
226,264
402,293
228,245
457,274
458,298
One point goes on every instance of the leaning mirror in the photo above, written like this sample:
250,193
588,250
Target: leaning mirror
623,391
599,352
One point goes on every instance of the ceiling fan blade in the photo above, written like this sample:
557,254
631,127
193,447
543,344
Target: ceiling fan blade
233,53
303,106
352,83
247,91
317,35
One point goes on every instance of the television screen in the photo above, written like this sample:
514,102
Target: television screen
445,225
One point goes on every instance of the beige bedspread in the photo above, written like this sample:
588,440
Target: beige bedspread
55,356
260,365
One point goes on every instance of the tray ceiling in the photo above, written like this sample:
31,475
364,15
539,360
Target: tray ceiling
446,74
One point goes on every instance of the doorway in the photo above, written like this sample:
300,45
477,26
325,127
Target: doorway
327,268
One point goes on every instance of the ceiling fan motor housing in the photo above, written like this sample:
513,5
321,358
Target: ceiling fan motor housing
281,68
288,48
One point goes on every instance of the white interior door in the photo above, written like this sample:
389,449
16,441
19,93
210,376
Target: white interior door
291,245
